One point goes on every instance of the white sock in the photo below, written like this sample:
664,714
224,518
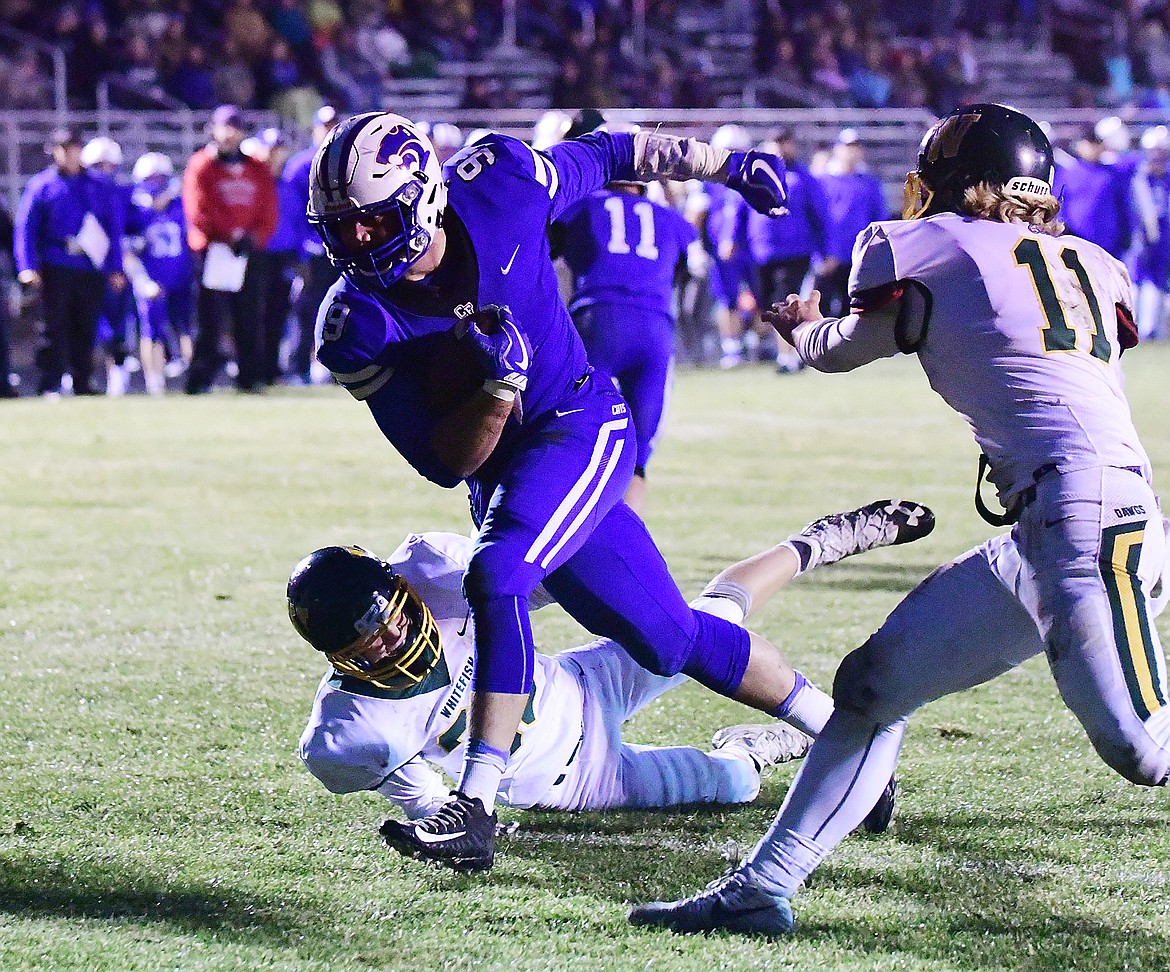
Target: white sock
483,771
807,707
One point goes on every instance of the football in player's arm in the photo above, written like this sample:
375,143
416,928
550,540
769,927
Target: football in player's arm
1020,330
394,701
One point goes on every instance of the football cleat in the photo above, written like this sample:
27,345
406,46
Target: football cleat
765,745
731,903
884,523
460,834
877,821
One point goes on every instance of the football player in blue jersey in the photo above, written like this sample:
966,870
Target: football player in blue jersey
448,324
624,251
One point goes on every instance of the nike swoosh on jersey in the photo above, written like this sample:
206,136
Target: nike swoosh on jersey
423,837
514,337
571,411
504,270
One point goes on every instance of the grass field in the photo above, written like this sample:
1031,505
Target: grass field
153,814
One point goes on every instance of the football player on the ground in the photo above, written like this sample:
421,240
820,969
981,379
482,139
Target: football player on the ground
624,250
401,647
447,323
1021,332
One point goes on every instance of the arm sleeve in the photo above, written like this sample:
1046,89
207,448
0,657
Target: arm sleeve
26,234
583,165
415,788
837,344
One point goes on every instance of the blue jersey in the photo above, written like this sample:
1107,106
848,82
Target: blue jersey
1094,203
296,179
165,255
799,234
854,200
1150,198
52,210
624,249
379,342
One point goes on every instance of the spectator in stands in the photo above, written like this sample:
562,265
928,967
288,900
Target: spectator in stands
1150,195
274,264
68,245
317,273
950,72
247,30
23,85
232,77
869,84
193,81
230,204
289,92
783,249
854,198
1095,196
907,88
350,79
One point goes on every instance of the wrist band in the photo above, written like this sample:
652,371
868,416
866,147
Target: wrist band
498,389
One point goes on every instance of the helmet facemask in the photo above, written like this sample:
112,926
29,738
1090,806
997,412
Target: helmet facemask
418,645
407,239
916,196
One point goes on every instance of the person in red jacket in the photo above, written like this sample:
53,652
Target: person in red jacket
229,200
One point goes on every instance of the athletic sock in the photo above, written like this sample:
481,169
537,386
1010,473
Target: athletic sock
807,707
483,770
803,550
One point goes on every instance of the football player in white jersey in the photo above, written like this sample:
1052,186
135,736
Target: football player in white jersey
1020,330
400,642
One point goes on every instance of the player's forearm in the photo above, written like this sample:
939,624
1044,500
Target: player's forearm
463,439
836,344
658,156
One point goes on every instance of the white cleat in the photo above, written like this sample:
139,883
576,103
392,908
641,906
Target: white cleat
764,745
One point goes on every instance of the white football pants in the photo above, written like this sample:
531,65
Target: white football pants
1075,578
609,774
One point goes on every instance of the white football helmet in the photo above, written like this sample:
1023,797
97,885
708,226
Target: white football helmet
732,138
377,164
101,151
153,164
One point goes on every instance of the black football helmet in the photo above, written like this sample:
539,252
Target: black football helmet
980,143
341,598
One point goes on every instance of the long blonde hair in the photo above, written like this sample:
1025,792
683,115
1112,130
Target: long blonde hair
985,201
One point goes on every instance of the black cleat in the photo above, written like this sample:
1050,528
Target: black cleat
731,903
460,835
877,821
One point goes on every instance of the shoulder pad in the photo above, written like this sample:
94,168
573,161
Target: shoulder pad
434,564
510,157
355,333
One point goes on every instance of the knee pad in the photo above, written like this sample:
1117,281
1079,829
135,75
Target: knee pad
861,686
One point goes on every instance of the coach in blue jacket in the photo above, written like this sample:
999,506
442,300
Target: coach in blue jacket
68,243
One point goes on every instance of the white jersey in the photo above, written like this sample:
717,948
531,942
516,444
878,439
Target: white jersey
1021,338
431,720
